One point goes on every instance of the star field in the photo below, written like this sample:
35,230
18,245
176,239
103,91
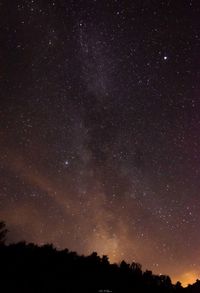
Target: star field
100,122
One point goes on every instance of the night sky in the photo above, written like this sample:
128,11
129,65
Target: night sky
100,129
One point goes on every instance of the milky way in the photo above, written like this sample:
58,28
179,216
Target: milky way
99,130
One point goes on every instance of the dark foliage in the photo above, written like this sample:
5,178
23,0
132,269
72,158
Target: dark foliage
30,268
193,288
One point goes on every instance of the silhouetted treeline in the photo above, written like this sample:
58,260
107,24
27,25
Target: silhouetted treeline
30,268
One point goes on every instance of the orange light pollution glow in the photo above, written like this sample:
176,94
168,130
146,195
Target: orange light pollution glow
187,278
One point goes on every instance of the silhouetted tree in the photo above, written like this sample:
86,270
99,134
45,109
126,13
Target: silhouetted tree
105,260
178,287
195,288
136,268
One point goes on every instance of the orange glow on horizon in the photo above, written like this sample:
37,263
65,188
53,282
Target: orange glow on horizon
187,278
